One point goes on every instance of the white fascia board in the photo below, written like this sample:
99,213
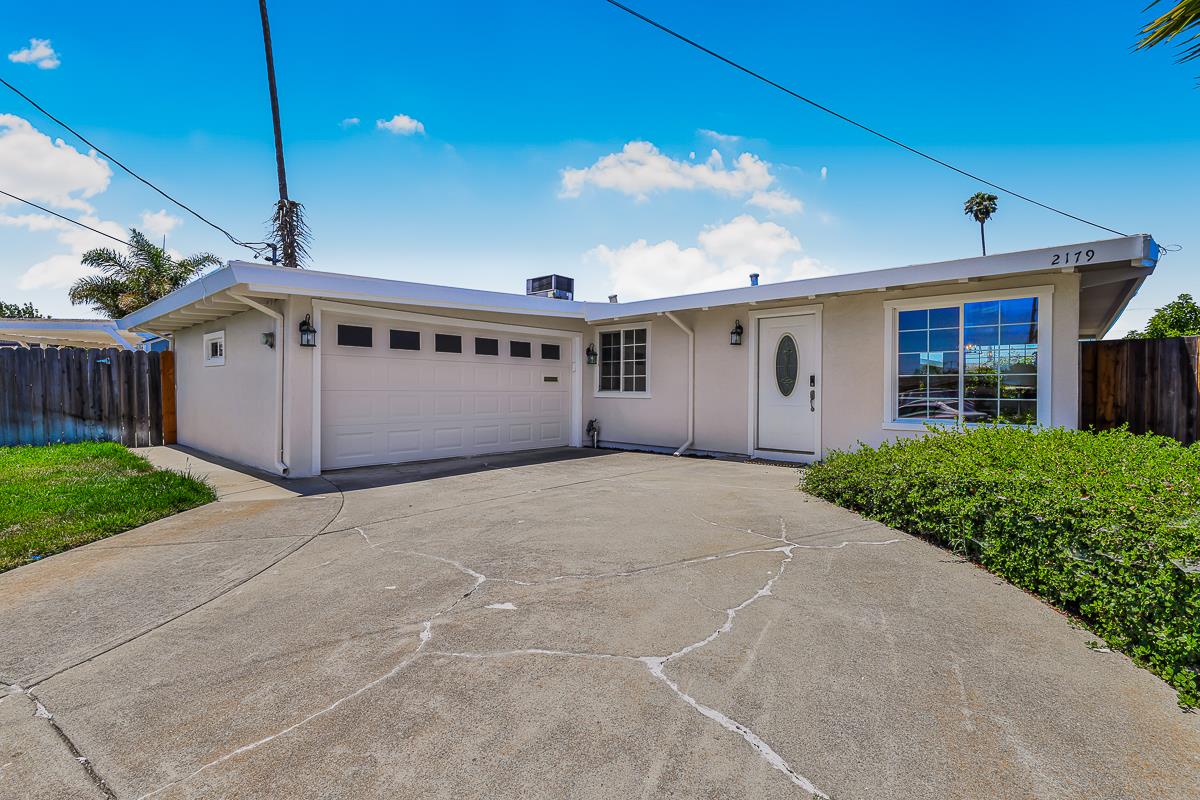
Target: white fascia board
194,292
1139,250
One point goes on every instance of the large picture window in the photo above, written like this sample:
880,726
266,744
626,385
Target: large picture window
623,360
971,360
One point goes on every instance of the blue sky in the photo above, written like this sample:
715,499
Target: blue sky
569,137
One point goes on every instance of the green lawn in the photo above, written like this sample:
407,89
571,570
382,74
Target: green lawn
61,496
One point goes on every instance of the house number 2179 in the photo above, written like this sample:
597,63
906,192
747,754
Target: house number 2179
1078,257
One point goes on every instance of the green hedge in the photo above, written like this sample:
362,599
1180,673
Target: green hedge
1104,525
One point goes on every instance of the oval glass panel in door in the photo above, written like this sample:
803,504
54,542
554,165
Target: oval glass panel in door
786,364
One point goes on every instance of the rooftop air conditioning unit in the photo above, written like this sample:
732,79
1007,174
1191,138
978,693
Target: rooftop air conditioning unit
556,286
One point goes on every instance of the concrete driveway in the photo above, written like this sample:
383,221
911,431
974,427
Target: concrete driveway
571,624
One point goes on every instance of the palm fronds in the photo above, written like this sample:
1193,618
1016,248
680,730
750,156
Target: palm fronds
128,281
289,231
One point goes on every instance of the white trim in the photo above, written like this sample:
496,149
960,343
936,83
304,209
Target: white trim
214,336
575,423
1140,251
1045,374
751,341
631,395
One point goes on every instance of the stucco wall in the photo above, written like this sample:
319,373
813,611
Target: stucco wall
657,418
852,356
228,410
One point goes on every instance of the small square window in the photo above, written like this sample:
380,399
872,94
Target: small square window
487,347
550,352
214,349
623,361
447,343
405,340
354,335
520,349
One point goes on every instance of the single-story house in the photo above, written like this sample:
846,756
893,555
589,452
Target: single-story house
300,371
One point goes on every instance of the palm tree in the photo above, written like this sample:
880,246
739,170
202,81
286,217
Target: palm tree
130,281
288,228
980,206
1183,16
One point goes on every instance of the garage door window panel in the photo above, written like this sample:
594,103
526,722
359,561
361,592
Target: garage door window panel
487,347
447,343
520,349
405,340
354,335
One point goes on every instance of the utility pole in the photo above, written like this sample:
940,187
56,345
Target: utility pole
289,229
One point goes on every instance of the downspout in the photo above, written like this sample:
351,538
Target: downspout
691,402
280,337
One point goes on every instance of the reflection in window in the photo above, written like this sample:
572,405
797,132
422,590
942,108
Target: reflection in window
990,376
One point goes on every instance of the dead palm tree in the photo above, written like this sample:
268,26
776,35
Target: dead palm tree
980,206
129,281
1183,16
288,228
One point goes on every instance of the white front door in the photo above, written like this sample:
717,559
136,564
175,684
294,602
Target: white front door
789,386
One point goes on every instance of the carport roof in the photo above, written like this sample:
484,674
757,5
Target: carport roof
1111,275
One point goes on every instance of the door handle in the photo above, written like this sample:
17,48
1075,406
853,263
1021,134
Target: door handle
812,399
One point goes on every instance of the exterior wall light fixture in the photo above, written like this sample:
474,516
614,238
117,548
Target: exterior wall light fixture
735,335
308,334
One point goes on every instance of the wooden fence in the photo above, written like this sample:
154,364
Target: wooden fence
1151,384
75,395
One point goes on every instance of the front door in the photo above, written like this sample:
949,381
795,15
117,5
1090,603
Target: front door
789,397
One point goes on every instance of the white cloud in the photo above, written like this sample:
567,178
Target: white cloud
401,125
39,52
38,168
350,122
157,224
778,201
62,269
824,173
725,256
641,169
723,138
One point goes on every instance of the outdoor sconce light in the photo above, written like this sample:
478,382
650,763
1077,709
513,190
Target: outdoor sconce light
591,355
308,334
735,335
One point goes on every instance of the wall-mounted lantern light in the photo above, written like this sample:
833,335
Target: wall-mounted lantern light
308,334
591,354
735,335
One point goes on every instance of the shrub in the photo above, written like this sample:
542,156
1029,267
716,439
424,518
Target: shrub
1106,526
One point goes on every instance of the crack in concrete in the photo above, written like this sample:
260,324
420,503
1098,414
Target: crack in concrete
655,665
41,712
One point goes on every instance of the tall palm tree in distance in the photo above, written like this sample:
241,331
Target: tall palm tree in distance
127,282
288,228
980,207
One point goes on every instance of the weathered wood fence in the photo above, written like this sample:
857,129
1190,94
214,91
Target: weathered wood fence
75,395
1151,384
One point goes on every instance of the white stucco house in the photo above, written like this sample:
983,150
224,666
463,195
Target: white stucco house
396,371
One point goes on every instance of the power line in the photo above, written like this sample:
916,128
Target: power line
68,219
844,118
249,246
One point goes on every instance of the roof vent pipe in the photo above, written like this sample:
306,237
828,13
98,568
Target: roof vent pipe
754,279
612,298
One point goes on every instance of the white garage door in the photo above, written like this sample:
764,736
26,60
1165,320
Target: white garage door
395,391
